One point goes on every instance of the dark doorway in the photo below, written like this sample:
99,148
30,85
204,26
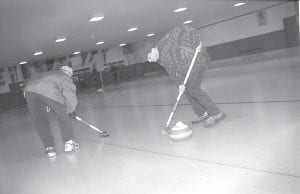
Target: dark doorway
291,30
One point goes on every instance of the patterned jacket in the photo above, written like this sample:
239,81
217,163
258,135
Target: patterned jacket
176,50
56,86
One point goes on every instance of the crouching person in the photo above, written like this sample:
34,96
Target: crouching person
55,92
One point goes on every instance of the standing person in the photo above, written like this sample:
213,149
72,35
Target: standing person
175,51
114,72
53,91
97,78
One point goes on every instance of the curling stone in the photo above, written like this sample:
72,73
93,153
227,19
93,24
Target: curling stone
180,131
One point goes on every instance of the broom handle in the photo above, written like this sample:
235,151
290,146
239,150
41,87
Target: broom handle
173,110
198,49
84,122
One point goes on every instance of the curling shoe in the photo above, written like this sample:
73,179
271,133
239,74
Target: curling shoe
200,119
71,146
213,120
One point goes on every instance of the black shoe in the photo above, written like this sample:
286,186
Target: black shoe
200,119
50,152
213,120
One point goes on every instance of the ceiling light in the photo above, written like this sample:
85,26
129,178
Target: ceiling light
76,53
38,53
60,39
101,42
96,17
239,4
122,44
151,34
132,29
23,62
188,21
180,9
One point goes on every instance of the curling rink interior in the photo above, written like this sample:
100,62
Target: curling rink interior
255,150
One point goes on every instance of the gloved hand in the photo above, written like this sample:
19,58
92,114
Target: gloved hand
72,114
153,56
181,88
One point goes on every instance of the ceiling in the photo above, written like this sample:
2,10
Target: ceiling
30,25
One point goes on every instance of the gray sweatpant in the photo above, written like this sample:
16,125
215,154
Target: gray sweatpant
36,104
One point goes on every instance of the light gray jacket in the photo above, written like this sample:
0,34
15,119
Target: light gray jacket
56,86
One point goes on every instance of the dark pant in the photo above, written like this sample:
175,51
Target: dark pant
115,75
97,79
37,104
199,100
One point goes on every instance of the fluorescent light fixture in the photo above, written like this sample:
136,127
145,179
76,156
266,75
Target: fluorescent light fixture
180,9
122,44
239,4
76,52
38,53
151,34
132,29
96,17
60,39
23,62
100,42
188,21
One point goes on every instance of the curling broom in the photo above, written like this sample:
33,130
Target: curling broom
102,133
166,130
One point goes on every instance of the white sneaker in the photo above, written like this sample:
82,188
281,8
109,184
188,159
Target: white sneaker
71,145
50,152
